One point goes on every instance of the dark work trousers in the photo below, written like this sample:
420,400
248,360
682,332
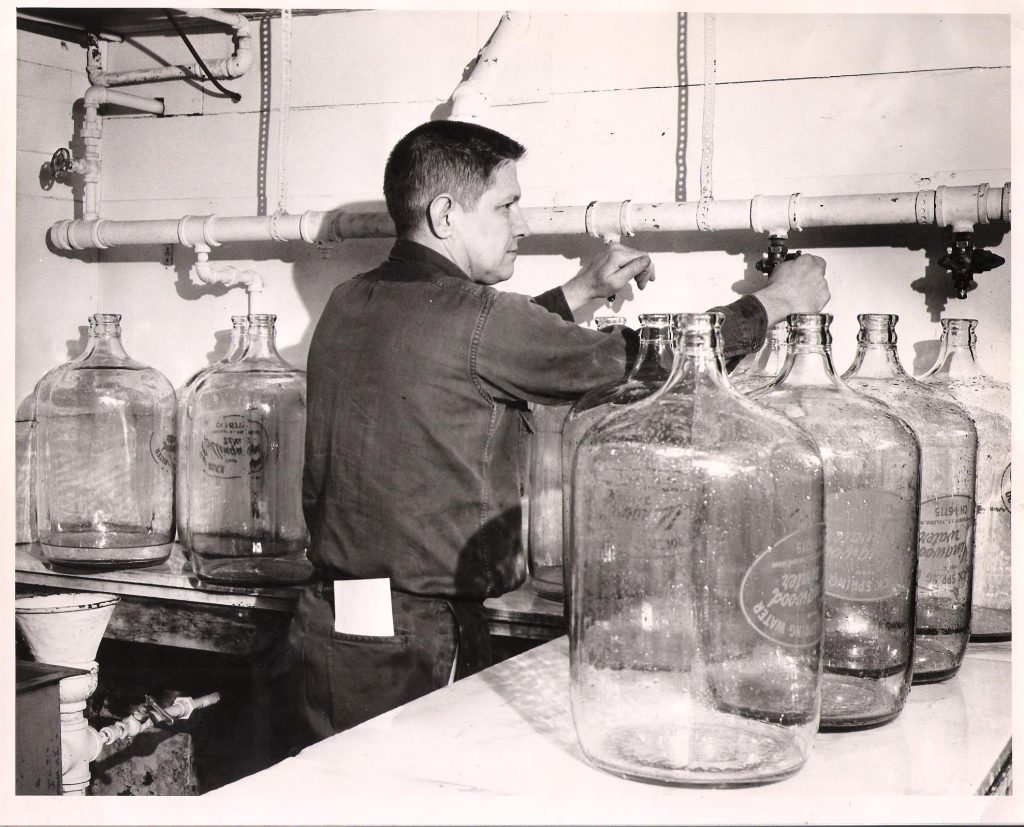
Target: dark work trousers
336,681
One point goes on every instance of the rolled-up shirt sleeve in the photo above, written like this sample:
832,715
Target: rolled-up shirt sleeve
743,330
530,349
554,300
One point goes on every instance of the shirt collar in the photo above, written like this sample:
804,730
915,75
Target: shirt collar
406,249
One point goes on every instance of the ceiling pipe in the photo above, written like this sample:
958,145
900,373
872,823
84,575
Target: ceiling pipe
471,97
779,214
234,66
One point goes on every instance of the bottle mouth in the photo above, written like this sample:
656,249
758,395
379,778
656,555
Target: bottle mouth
97,319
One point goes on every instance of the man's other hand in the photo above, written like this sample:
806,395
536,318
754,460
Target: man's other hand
607,273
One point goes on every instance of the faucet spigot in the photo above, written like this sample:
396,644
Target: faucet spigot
963,260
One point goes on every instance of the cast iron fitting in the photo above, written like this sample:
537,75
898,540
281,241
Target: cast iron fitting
777,251
963,260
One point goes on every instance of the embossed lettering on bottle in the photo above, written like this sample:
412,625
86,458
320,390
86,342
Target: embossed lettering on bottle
781,592
862,565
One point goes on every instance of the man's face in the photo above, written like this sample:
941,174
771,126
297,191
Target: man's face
487,236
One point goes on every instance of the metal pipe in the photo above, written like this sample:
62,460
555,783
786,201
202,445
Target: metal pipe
239,62
956,206
471,97
92,131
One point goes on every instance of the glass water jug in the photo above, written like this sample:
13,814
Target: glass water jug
871,462
544,495
651,370
945,544
696,581
106,443
235,349
246,425
987,400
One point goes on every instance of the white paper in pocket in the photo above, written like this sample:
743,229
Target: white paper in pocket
363,607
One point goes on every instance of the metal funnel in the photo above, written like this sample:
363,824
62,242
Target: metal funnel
65,628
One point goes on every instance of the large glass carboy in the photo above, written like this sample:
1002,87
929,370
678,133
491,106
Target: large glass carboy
696,581
235,349
987,400
246,425
651,370
765,365
544,493
106,453
945,540
871,461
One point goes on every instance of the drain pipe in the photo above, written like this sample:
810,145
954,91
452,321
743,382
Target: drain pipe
471,97
779,214
239,62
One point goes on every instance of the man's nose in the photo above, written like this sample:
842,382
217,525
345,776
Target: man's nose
520,229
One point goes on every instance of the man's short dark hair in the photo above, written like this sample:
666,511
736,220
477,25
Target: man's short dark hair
456,157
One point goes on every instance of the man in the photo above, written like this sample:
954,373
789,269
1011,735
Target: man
419,375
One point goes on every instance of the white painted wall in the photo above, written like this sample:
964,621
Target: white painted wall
853,104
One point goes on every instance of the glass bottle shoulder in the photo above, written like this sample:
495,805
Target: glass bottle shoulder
725,418
934,414
840,416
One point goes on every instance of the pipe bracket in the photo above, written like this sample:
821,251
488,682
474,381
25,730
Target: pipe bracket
793,210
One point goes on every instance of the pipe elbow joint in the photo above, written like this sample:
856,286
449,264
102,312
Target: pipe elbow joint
96,95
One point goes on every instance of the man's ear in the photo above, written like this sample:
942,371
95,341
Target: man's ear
439,215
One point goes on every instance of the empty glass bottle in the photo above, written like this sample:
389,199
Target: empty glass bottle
235,349
696,581
987,400
653,366
246,423
544,542
106,454
945,543
871,461
765,365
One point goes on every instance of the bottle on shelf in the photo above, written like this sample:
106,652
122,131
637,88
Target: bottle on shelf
695,620
871,470
236,347
106,455
544,492
650,371
987,400
246,423
945,545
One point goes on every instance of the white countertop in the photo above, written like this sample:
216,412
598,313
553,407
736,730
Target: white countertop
500,747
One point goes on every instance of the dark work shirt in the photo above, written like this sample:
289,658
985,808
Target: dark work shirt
418,380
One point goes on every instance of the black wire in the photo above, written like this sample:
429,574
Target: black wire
235,97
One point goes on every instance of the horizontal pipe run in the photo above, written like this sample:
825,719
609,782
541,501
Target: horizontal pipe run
946,206
234,66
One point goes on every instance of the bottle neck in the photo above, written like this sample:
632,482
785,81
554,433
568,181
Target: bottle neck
104,340
259,340
772,355
697,365
809,356
239,333
656,356
956,357
876,356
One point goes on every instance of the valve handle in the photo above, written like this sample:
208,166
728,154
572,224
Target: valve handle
61,164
